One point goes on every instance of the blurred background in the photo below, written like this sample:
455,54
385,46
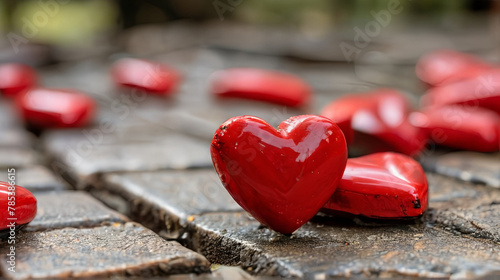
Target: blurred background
75,29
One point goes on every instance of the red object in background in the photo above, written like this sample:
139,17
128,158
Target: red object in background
461,127
145,75
480,91
442,67
263,85
52,108
377,122
383,185
282,177
16,78
24,208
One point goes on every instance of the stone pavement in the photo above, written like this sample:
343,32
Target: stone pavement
135,194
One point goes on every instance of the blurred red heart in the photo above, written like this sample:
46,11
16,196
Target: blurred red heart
461,127
145,75
383,185
442,67
22,210
16,78
51,108
259,84
282,177
376,121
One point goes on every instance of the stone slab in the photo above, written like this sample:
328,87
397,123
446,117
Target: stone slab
166,200
36,178
71,209
473,167
332,248
118,250
17,157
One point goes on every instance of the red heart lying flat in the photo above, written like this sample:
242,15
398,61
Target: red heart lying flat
481,91
442,67
145,75
16,78
264,85
377,122
282,177
461,127
383,185
50,108
24,206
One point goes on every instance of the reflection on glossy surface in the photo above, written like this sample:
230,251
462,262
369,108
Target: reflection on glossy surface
465,128
259,84
377,121
16,78
442,67
48,108
383,185
282,177
145,75
25,206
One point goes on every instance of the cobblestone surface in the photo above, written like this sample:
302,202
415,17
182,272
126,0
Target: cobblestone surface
71,209
36,178
117,250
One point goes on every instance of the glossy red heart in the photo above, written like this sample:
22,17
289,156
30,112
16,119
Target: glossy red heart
145,75
461,127
282,177
481,91
16,78
50,108
442,67
23,206
383,185
259,84
376,121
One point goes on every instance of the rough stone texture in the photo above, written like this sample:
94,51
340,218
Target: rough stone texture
80,159
71,209
166,200
36,178
468,166
118,250
325,248
17,157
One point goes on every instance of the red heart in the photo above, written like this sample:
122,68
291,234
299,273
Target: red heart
48,108
461,127
261,85
282,177
145,75
377,122
16,78
442,67
383,185
23,209
481,91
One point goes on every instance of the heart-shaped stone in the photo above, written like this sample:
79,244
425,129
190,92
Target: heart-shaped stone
263,85
51,108
382,185
281,177
145,75
376,121
19,206
16,78
442,67
461,127
481,91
